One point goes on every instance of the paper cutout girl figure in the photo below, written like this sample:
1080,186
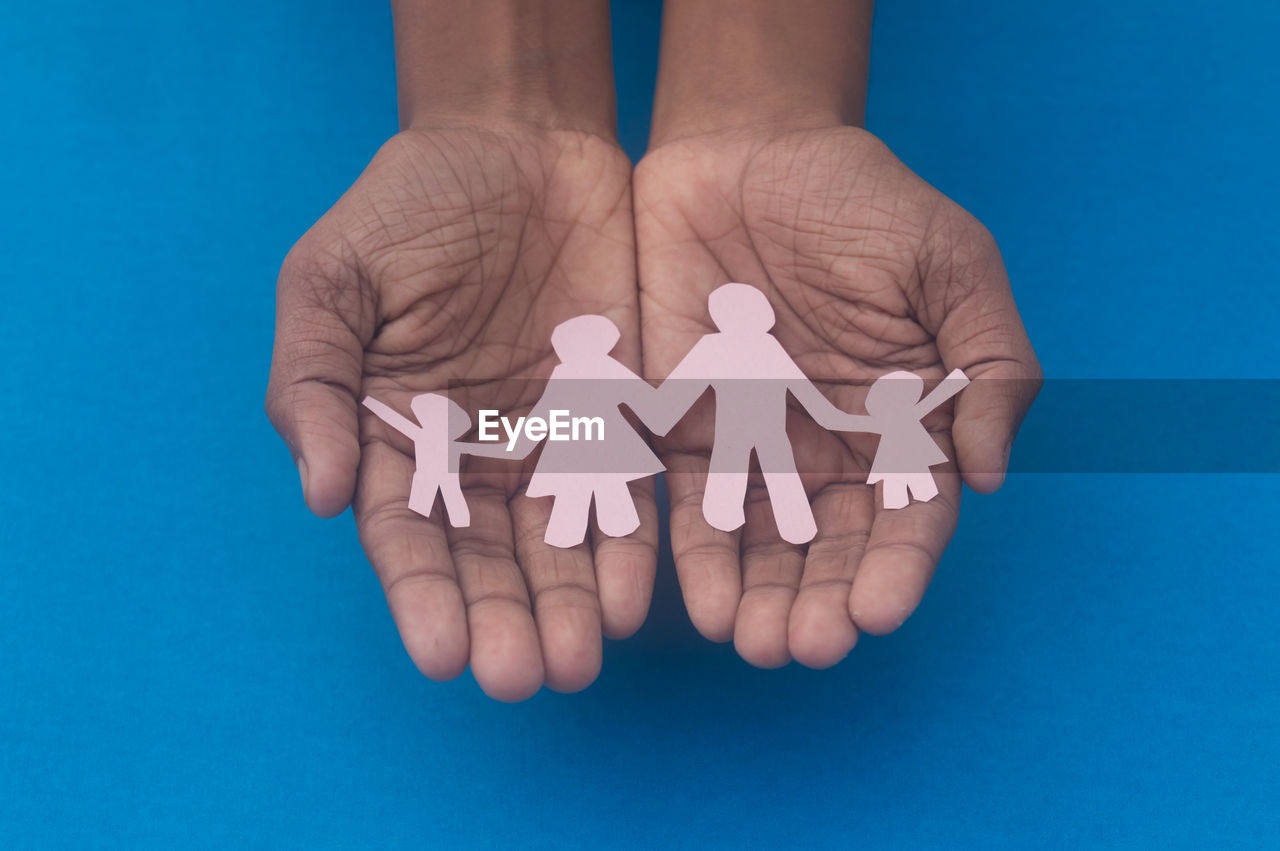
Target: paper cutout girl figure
590,383
437,451
906,450
751,375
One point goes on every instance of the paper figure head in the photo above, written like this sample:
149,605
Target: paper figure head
586,336
740,309
433,411
894,392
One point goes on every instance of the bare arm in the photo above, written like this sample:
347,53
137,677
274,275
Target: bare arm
729,64
539,62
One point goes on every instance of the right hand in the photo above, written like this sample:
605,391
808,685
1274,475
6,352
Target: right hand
451,259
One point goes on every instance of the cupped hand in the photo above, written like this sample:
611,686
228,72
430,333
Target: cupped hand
444,268
869,270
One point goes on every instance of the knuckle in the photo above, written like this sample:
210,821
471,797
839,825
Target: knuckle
964,247
315,272
398,545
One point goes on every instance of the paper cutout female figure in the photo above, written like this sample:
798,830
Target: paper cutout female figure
906,450
437,451
751,375
589,383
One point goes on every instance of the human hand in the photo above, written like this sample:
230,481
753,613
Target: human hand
869,270
501,211
450,260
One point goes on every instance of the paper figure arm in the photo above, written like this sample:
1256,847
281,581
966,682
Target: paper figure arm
671,401
524,444
497,450
398,422
659,410
673,398
949,386
826,414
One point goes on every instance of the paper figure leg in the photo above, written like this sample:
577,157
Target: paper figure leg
895,490
722,500
455,503
787,498
726,489
922,486
569,514
615,508
422,493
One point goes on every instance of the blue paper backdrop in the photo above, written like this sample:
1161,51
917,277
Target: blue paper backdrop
187,658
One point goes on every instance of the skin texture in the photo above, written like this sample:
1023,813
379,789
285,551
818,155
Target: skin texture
869,270
450,260
506,207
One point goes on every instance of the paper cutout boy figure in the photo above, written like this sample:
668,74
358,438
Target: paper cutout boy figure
906,450
437,451
590,383
751,375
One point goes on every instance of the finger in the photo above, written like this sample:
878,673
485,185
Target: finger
901,557
707,563
566,606
821,631
771,570
506,658
981,333
625,567
410,555
321,320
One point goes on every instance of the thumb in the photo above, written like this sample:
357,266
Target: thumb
321,314
980,332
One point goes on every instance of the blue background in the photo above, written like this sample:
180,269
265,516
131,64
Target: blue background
188,658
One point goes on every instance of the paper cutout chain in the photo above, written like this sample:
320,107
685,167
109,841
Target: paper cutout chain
750,374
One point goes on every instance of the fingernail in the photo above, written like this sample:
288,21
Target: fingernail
302,474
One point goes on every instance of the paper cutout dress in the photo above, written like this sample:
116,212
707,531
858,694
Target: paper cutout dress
906,450
590,383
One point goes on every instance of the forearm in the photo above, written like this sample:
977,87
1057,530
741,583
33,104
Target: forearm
544,63
743,63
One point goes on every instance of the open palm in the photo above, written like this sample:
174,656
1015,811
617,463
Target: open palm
869,270
444,268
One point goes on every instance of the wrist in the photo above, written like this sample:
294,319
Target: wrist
542,64
705,118
760,65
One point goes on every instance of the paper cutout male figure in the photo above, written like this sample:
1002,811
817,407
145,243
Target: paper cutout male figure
437,451
590,383
751,375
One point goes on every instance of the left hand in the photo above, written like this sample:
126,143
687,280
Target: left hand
869,269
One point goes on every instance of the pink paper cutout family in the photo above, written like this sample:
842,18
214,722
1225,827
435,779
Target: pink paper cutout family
750,374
